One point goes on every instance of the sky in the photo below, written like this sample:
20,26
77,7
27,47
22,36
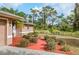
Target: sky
64,8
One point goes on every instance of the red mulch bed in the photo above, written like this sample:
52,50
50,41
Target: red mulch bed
58,49
40,45
16,40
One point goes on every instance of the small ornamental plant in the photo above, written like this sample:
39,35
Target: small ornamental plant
51,44
32,37
65,48
24,43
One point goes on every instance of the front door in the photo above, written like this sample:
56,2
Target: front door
2,32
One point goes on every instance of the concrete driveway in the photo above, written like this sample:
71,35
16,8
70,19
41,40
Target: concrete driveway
8,50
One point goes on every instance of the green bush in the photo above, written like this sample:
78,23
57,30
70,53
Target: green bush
65,48
33,39
24,43
51,44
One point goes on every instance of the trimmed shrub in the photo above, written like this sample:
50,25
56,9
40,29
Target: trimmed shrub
24,42
32,37
50,43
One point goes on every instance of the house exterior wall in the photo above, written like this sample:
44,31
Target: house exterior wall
6,27
27,29
18,31
5,31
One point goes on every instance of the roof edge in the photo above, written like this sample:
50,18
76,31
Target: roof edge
11,15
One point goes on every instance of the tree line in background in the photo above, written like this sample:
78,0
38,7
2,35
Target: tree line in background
47,18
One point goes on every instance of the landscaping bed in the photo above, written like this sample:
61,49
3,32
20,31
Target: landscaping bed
45,43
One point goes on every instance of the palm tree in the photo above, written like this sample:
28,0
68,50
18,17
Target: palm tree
52,14
34,11
34,14
46,12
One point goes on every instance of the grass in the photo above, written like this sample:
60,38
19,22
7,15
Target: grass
73,34
57,32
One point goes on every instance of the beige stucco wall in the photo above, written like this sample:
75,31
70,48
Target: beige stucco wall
27,29
5,32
